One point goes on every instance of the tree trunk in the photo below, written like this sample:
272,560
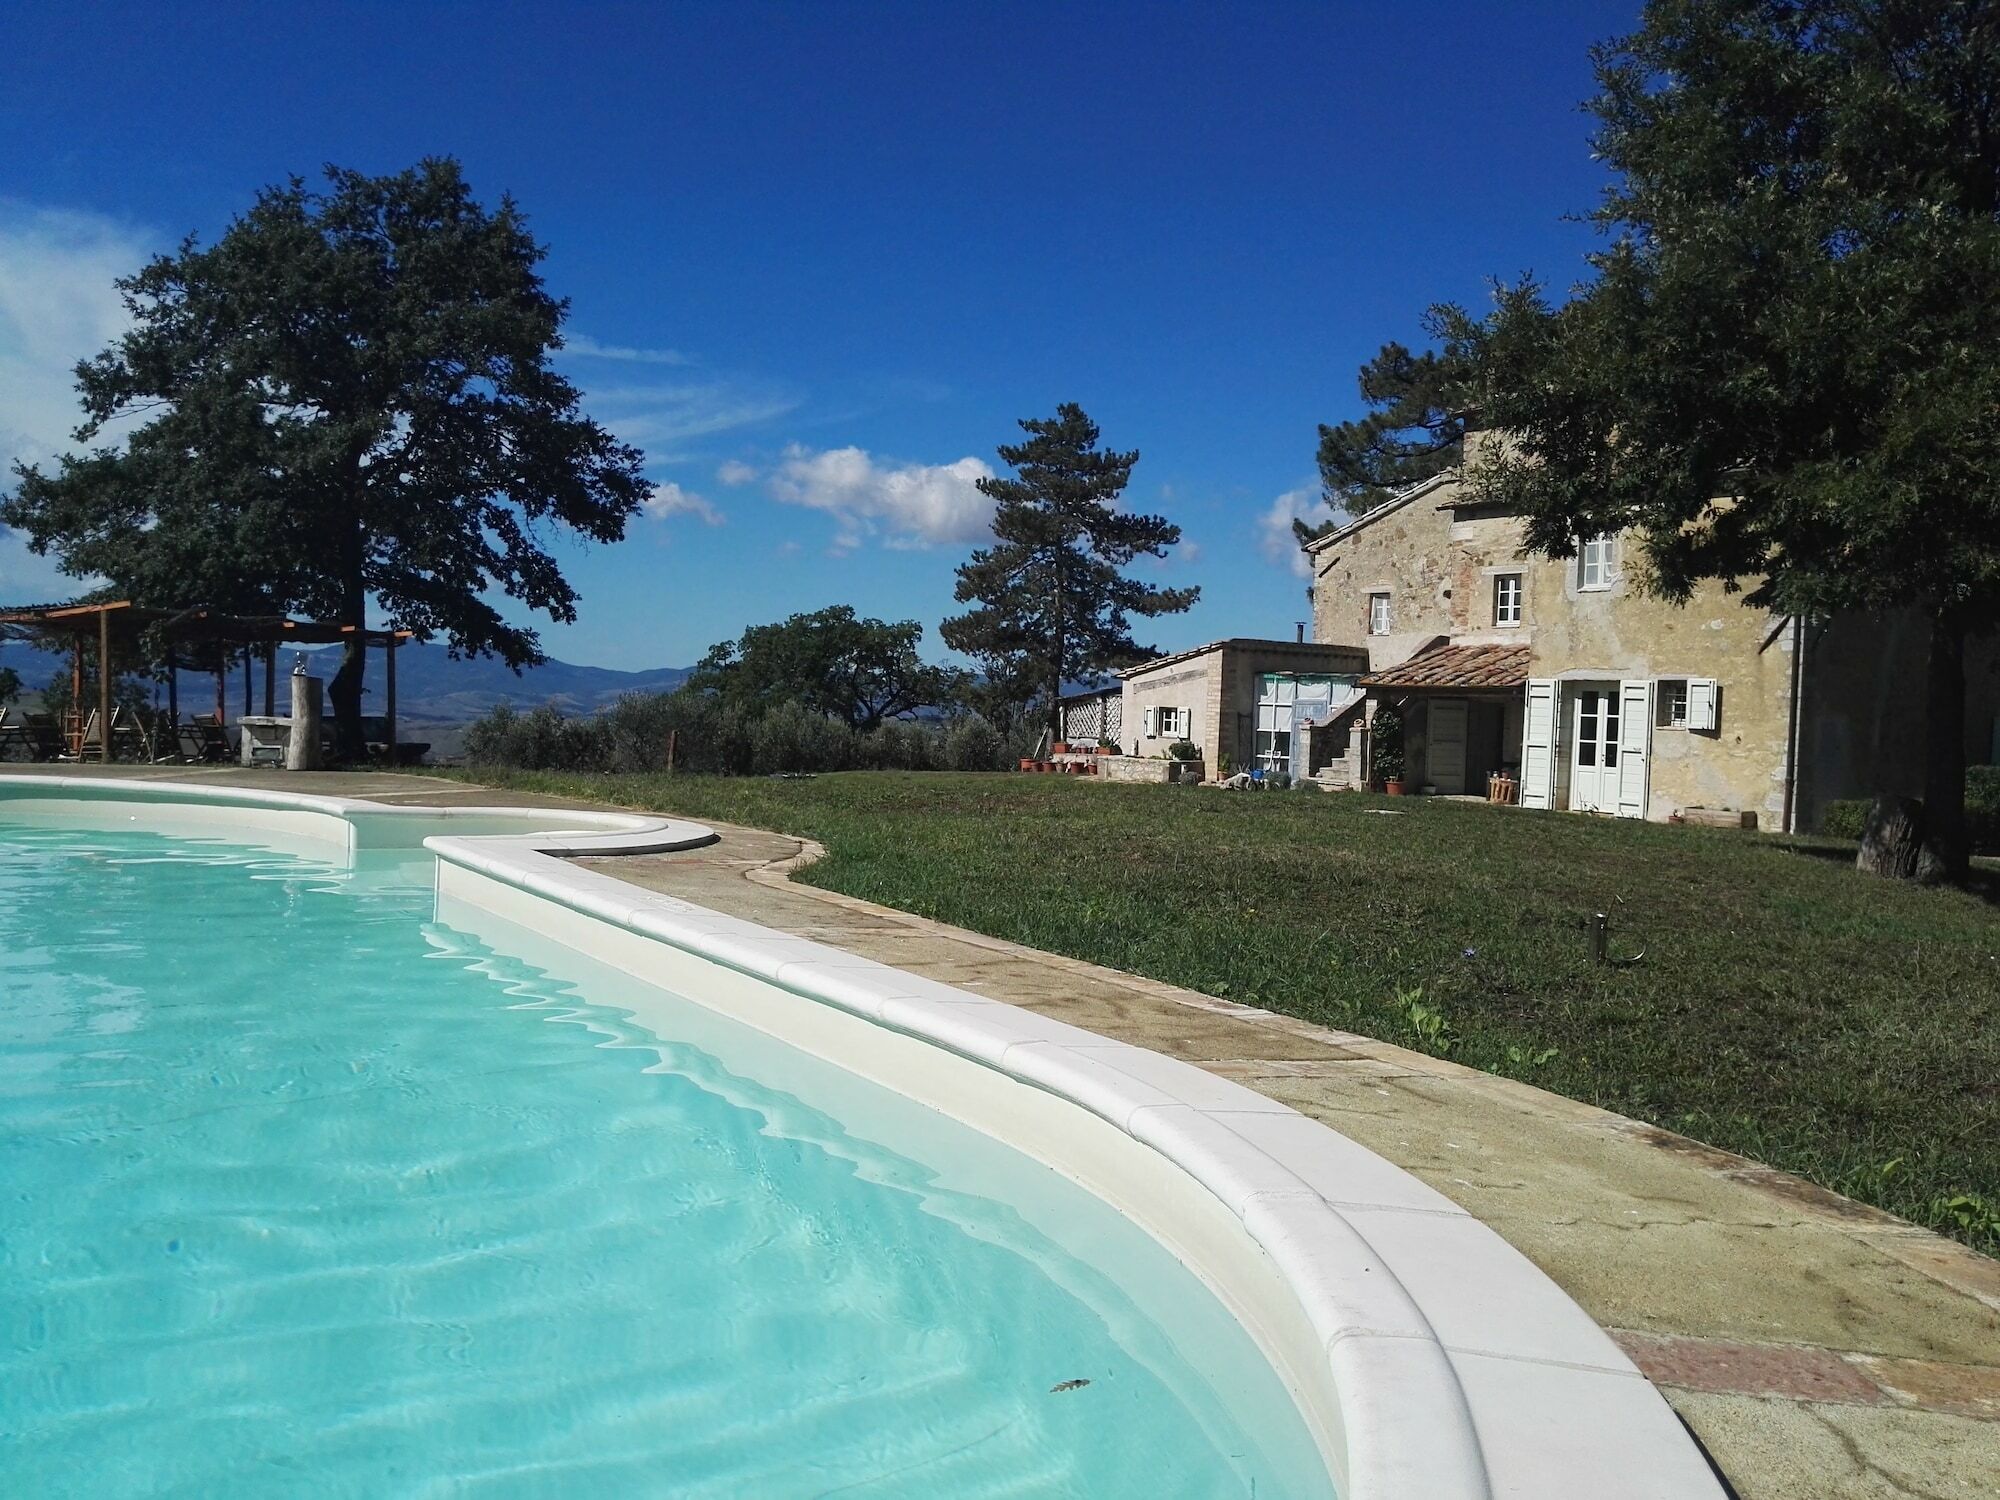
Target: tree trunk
345,690
1944,746
1892,843
1056,671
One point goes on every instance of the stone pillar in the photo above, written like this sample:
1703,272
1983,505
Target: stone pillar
302,744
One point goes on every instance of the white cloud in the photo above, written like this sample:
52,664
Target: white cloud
585,347
1274,528
660,418
735,472
57,306
907,505
670,499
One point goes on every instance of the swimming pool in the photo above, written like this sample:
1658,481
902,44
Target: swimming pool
361,1150
306,1192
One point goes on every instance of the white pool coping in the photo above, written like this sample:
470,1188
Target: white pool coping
1444,1364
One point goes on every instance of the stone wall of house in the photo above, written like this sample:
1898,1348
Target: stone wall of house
1622,633
1406,554
1193,684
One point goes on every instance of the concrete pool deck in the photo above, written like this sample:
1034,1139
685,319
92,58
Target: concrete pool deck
1817,1347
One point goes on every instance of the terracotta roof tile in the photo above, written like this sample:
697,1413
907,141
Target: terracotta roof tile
1447,666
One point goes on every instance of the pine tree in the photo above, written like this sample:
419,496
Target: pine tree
1054,604
1414,428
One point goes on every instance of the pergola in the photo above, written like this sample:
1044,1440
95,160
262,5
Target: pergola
118,626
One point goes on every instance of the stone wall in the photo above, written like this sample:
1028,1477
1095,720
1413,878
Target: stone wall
1194,684
1405,553
1132,768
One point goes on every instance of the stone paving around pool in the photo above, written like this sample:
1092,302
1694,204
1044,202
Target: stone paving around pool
1820,1349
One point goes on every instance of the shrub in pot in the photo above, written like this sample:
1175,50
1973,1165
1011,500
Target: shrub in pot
1386,753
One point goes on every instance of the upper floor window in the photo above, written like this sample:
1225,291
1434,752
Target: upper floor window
1593,563
1378,614
1507,599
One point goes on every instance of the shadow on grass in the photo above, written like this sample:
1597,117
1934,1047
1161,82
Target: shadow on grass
1982,880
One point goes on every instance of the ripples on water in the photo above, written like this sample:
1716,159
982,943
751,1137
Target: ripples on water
303,1194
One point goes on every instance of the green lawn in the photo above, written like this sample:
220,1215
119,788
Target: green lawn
1844,1028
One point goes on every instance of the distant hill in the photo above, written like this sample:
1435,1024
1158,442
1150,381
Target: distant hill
431,688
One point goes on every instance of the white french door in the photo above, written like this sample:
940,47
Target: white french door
1594,747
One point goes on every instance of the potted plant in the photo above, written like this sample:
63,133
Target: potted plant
1386,753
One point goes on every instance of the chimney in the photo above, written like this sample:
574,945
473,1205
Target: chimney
1301,624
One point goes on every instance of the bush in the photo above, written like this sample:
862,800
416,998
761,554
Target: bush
900,745
539,740
1183,750
972,744
793,738
712,737
1847,818
1844,819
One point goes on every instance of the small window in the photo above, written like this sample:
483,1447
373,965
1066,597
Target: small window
1507,599
1378,614
1670,703
1593,563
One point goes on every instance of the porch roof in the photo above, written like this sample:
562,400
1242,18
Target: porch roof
1448,666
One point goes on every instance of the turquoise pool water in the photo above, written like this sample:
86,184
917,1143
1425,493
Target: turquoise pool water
302,1193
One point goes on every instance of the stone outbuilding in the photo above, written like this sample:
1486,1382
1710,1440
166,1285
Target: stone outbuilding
1242,702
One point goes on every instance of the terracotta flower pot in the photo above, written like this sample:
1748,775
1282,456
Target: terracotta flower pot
1027,763
1393,786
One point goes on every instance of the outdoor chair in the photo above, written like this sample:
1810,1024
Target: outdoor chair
44,740
203,740
129,740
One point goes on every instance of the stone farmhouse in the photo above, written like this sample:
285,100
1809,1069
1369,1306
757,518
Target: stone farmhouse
1594,696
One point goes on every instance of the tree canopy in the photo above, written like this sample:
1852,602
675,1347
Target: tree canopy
1785,371
1414,427
348,395
1054,603
833,662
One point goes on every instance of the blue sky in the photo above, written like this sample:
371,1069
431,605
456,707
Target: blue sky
822,257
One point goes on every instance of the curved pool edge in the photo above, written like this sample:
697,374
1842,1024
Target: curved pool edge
1447,1364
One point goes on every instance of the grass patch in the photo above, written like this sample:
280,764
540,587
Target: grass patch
1842,1028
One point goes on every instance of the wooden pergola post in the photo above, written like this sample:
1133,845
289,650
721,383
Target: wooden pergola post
103,689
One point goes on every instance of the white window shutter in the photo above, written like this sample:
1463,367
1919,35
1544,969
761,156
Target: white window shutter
1538,745
1635,746
1701,704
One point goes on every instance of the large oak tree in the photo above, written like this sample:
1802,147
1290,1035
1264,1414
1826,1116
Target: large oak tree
1054,602
860,671
347,396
